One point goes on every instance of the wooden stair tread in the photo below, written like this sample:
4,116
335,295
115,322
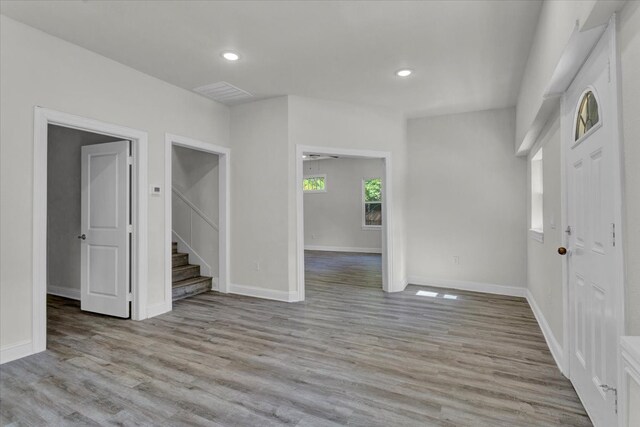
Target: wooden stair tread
184,267
190,281
186,279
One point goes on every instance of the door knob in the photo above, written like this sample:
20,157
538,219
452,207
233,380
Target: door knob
562,250
82,236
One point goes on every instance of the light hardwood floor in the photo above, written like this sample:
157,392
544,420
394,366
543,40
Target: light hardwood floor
349,355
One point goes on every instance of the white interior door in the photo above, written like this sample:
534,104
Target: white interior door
591,166
105,229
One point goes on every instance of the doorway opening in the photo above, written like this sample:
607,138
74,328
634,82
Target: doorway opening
343,216
196,212
194,222
89,226
82,168
343,220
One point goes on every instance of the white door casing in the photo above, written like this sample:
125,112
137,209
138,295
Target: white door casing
105,254
594,257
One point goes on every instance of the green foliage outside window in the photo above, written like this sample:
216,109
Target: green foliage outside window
373,202
313,183
373,190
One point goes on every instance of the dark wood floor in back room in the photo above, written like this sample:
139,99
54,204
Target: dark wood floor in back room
349,355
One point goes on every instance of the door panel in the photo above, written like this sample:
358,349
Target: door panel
590,213
105,213
102,263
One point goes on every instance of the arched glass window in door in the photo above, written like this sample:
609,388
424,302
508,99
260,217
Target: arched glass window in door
587,115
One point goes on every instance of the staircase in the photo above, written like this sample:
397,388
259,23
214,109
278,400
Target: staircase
186,277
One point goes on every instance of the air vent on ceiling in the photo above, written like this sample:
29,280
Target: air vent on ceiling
223,92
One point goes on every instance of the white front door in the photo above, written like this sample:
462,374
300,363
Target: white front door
105,229
592,164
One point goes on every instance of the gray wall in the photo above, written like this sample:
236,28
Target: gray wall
334,218
629,45
195,175
544,266
38,69
63,207
466,197
261,256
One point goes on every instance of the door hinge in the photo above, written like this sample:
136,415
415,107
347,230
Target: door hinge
130,160
129,297
130,228
609,69
613,234
607,388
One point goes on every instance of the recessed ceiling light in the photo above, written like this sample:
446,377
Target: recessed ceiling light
230,56
403,73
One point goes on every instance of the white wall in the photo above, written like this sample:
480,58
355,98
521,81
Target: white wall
544,265
264,135
466,198
260,178
324,123
629,49
333,219
557,22
195,177
38,69
63,207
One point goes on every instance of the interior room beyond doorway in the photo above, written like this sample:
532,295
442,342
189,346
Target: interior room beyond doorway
343,219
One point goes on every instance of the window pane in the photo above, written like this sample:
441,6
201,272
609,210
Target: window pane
313,183
588,115
537,192
373,190
373,214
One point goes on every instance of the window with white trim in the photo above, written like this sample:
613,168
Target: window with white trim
372,203
537,223
314,184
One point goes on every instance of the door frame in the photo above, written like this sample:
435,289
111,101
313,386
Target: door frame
224,174
567,130
387,216
43,117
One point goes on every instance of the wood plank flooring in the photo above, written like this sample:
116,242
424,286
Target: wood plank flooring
349,355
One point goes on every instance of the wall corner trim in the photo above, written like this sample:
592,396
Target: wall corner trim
16,351
553,344
158,309
628,372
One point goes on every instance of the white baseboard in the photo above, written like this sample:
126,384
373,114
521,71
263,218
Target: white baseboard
16,351
489,288
342,249
64,292
552,342
252,291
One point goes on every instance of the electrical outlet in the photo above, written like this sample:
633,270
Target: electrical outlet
456,260
257,265
314,236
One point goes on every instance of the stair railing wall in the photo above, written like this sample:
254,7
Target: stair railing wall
200,244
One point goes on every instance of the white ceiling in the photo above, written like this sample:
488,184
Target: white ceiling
466,55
